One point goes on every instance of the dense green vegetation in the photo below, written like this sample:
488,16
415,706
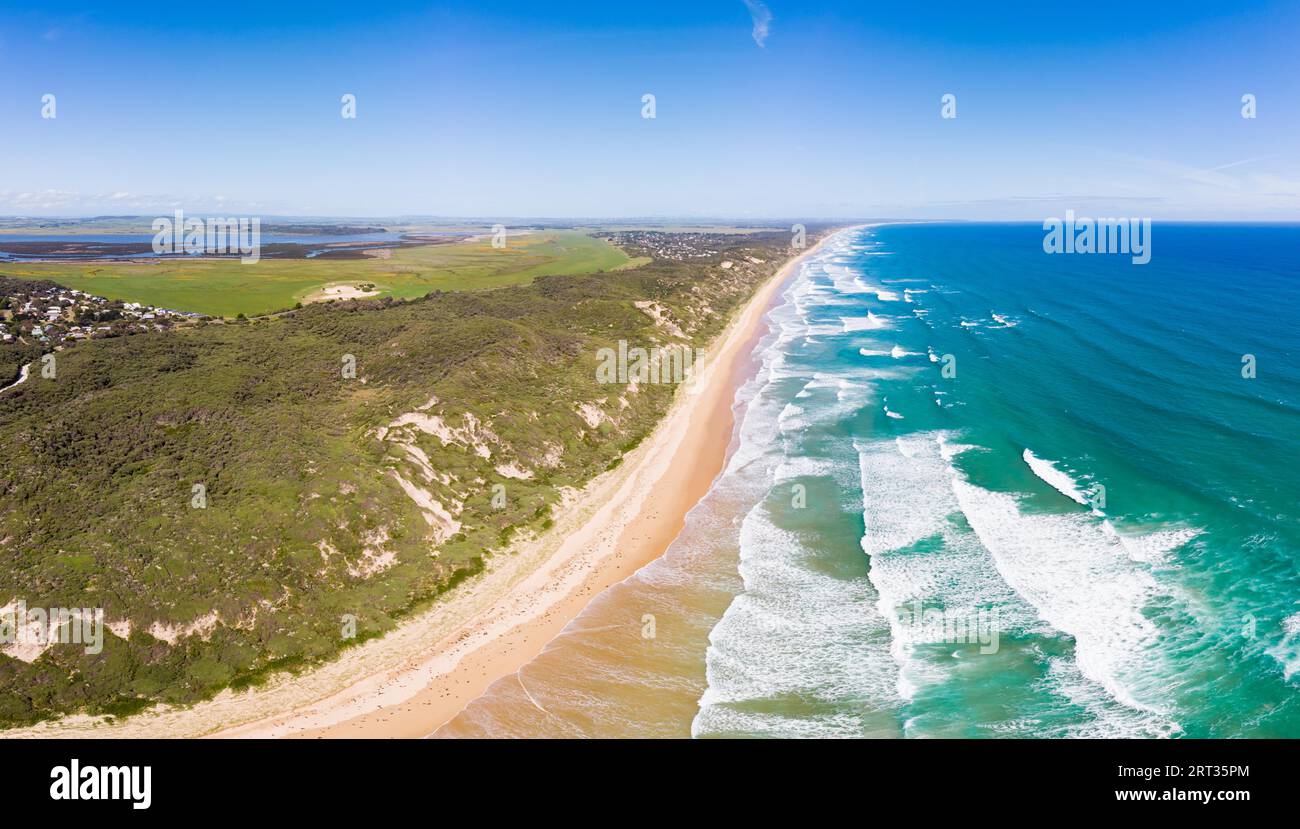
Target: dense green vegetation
224,287
307,472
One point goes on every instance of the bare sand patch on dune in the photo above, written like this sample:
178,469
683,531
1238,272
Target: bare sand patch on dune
352,290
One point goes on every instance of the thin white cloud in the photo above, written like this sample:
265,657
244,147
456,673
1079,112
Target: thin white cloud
762,20
74,202
1238,163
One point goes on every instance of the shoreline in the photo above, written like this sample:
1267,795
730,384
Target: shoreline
427,670
634,527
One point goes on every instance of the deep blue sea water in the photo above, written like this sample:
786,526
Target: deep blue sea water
1093,480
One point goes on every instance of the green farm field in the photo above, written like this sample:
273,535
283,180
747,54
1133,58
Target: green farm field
227,288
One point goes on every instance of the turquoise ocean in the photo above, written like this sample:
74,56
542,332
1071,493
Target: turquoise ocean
977,490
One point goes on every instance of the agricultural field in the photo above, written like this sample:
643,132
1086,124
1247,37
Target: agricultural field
227,288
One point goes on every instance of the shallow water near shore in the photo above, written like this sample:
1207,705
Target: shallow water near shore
1093,474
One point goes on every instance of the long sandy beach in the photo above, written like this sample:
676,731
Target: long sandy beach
422,674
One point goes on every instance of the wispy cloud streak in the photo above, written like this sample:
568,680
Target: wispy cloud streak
762,20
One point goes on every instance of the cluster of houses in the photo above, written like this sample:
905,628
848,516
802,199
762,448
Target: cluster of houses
679,247
38,313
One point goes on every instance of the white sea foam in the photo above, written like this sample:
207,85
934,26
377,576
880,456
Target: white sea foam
1058,480
870,322
855,393
1151,547
897,352
1082,582
1072,574
1104,717
1287,650
815,406
790,420
794,631
818,329
848,283
949,450
801,466
906,500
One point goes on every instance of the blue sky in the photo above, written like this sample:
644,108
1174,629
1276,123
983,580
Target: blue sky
529,109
